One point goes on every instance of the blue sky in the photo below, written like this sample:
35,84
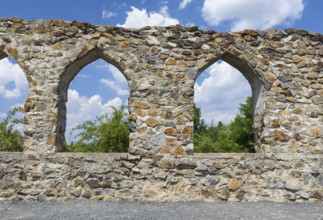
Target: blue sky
99,85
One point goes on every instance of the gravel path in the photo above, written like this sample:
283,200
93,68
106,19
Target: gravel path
86,209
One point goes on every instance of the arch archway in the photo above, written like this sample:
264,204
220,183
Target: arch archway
13,95
65,81
253,79
247,71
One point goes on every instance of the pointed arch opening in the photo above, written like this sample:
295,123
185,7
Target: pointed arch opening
227,102
13,94
93,99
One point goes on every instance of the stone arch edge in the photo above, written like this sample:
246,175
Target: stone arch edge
67,77
256,82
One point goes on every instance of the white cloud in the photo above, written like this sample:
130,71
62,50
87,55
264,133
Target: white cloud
117,75
189,24
84,76
252,14
107,14
140,18
184,3
82,108
220,93
13,82
115,86
101,66
118,84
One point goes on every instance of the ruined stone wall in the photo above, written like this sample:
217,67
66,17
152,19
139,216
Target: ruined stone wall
284,69
210,177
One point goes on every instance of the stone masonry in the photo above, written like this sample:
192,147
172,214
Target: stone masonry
284,69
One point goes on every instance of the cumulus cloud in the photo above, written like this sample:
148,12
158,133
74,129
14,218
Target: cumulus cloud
118,83
107,14
137,18
13,82
117,75
220,93
115,86
184,3
254,14
82,108
87,107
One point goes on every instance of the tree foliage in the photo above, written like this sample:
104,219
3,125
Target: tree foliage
236,136
10,138
199,124
110,133
107,133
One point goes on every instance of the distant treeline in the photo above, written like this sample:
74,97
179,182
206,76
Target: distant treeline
110,133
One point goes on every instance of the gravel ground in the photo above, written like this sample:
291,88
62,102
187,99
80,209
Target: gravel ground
87,209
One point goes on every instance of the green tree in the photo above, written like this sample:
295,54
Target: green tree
107,133
237,136
246,108
203,143
217,139
241,128
10,138
199,124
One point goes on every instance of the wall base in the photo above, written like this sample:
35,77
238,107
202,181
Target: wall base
209,177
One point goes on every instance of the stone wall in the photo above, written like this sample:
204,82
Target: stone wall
210,177
284,69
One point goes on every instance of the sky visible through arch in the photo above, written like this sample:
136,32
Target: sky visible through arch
100,85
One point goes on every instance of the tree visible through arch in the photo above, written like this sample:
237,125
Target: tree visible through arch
13,93
223,91
88,133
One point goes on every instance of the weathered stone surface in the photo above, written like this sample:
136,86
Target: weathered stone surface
161,64
315,132
170,131
152,122
142,105
159,139
235,184
163,178
93,182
